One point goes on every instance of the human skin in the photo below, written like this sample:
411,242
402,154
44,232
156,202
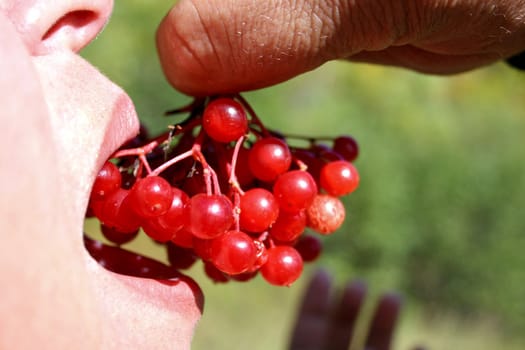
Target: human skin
327,320
61,119
235,45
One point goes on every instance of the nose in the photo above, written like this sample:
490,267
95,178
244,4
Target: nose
63,24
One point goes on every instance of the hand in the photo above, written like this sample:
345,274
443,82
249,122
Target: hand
323,324
218,46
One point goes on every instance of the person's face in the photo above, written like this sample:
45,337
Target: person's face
67,119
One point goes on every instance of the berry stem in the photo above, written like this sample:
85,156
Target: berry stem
139,152
233,177
136,151
170,162
302,165
144,161
237,210
263,236
210,176
255,118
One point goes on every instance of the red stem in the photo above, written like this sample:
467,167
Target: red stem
233,178
170,162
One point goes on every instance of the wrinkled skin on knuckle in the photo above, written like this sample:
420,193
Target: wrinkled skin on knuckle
362,25
465,27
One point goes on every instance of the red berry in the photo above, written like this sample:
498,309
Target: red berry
115,211
180,258
339,178
224,120
183,238
268,158
155,232
233,253
214,273
172,221
283,267
326,214
259,210
289,226
202,248
325,153
347,147
151,196
209,216
309,247
108,180
115,236
294,190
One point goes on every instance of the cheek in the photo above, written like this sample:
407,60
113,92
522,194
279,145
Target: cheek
46,284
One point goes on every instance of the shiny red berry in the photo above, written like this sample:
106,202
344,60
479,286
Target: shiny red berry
209,216
268,158
294,190
108,180
151,196
224,120
283,267
339,178
233,253
259,210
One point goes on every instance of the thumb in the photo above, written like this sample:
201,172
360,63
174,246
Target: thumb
220,46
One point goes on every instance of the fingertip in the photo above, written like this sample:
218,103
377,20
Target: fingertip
384,321
356,288
322,276
392,301
388,310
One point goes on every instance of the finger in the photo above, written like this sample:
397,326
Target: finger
312,316
221,46
340,332
383,323
418,59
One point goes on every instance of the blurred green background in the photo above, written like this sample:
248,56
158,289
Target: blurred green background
439,215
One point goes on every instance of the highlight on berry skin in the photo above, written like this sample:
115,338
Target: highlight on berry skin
222,189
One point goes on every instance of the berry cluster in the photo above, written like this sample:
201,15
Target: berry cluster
221,187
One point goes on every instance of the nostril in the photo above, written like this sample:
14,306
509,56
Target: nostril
73,30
